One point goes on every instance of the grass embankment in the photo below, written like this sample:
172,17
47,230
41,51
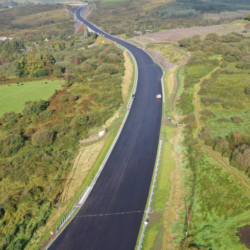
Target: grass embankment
168,193
102,40
156,224
14,96
90,156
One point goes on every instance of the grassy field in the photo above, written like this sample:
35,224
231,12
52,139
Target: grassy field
13,97
154,232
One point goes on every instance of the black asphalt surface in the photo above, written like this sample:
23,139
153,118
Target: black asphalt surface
124,183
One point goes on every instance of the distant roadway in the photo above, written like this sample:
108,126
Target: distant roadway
124,183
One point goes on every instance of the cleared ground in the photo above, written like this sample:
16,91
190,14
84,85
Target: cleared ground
14,96
173,36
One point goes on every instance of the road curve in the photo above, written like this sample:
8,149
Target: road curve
124,183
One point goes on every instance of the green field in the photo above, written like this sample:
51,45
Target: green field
112,1
13,97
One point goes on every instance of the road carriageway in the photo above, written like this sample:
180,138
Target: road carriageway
123,185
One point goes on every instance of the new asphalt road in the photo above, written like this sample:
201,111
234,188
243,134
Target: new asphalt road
124,183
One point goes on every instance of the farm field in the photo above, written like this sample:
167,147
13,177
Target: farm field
13,97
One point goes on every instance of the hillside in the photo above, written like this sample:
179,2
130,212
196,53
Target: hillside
125,17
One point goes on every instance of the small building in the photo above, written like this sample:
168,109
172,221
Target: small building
3,38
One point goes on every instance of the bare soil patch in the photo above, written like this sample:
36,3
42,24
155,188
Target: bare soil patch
153,218
173,36
243,234
82,165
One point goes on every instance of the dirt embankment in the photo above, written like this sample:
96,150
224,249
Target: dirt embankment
82,165
160,59
171,80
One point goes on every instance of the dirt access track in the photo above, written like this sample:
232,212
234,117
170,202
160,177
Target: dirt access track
173,36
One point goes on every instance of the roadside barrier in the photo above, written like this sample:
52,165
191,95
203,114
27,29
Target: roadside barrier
66,218
151,195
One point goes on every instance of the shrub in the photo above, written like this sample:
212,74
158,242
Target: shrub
64,98
223,65
11,145
107,68
210,142
232,104
241,157
221,145
247,90
205,134
216,73
237,119
73,97
244,63
189,119
33,109
212,37
41,72
208,113
185,42
247,17
194,60
224,119
203,91
43,138
86,67
209,100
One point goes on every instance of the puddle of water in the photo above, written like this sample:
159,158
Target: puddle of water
244,235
